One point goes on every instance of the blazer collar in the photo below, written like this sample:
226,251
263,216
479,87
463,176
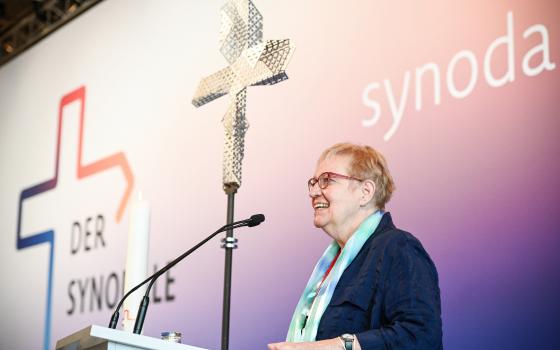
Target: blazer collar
385,224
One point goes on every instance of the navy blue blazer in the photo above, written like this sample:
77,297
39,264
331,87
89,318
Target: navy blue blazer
388,296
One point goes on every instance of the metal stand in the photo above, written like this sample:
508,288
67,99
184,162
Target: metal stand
240,20
229,243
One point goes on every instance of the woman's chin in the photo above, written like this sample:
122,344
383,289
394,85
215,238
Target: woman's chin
319,220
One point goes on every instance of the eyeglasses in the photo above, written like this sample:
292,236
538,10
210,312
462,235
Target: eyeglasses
324,179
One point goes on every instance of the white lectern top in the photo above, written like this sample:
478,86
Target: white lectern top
103,338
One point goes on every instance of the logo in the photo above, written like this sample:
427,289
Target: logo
117,160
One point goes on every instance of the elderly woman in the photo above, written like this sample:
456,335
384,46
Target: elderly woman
374,287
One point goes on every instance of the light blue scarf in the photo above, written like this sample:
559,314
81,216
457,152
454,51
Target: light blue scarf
311,306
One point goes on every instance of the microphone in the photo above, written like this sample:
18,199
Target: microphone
254,220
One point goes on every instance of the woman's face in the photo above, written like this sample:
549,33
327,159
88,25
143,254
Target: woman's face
336,207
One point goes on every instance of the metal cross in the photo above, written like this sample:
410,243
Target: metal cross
251,62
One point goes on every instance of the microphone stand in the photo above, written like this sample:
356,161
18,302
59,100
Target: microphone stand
142,309
253,221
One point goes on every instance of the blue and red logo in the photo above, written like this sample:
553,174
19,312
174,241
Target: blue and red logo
117,160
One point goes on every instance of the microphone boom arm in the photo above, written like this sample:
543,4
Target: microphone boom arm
253,221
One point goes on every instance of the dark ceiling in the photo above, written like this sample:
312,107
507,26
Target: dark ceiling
11,11
23,23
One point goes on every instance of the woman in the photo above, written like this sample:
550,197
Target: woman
375,287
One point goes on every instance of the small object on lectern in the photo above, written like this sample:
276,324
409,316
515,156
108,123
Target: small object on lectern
174,337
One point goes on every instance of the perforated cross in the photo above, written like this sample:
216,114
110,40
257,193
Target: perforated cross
251,63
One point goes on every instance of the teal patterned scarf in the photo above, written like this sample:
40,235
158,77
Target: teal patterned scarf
311,305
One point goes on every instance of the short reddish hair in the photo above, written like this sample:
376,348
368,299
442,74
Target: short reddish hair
366,163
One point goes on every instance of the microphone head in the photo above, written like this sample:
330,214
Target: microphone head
255,220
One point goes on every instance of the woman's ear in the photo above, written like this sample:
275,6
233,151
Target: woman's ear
368,192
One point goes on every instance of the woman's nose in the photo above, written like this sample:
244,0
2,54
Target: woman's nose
314,191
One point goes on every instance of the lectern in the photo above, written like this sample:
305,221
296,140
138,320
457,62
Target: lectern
102,338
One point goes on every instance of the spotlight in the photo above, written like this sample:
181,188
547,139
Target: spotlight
8,48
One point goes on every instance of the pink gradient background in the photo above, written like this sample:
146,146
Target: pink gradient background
477,178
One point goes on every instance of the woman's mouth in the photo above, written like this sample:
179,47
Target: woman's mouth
320,205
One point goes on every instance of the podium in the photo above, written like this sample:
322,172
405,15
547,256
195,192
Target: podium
103,338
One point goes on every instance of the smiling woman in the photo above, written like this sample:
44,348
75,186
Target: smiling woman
375,287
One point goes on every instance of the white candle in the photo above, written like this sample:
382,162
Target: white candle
136,259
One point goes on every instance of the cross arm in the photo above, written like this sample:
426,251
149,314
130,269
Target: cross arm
213,87
275,57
